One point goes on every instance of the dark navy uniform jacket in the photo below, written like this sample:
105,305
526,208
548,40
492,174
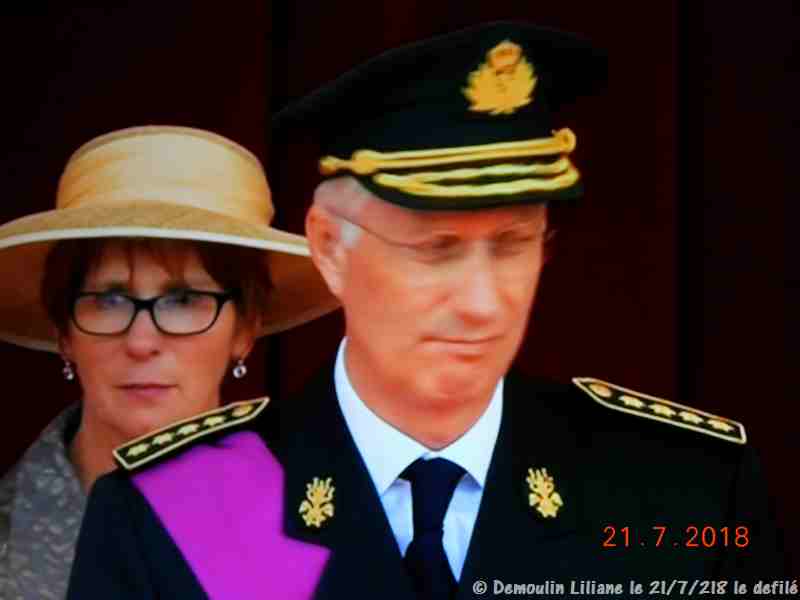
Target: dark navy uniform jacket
642,500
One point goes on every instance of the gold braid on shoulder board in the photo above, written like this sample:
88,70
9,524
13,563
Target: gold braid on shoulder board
649,407
167,440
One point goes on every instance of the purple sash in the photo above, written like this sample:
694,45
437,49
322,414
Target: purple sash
223,507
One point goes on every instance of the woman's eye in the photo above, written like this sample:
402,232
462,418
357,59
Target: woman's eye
179,298
110,300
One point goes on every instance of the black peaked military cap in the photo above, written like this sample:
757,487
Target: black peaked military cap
460,121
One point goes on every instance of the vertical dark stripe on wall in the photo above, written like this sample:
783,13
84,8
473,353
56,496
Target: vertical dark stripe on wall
689,230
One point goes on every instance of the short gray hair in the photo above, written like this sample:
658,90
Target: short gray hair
343,198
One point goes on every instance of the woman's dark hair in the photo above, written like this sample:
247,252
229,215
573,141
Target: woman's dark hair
242,271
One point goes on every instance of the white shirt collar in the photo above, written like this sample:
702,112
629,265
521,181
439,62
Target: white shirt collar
388,451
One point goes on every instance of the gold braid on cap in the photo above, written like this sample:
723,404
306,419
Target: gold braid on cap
555,175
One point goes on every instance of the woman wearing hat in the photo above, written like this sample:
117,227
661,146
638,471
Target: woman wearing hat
152,278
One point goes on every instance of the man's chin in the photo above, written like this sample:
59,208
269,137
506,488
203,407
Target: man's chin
463,385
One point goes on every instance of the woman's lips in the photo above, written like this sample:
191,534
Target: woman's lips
149,391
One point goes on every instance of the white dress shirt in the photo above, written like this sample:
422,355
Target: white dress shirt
386,451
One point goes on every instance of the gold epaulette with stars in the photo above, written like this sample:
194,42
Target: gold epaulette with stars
163,442
658,409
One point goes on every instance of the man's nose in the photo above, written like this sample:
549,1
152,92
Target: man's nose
478,298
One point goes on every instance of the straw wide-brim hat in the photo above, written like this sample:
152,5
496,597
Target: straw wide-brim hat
157,182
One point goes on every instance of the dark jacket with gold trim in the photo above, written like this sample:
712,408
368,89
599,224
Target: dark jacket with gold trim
641,501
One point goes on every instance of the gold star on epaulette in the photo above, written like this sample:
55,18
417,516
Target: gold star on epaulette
167,440
658,409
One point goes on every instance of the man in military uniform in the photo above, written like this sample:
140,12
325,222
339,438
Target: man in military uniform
449,477
417,460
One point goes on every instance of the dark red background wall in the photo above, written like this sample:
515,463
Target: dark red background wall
673,277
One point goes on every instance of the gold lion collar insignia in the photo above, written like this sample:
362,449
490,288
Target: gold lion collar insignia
318,504
165,441
542,493
635,403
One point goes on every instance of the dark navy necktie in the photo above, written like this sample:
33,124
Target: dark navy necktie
432,485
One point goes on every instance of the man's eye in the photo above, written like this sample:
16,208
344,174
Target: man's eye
440,245
521,238
514,241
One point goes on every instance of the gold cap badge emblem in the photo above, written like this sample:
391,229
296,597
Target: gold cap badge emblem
503,83
543,494
318,505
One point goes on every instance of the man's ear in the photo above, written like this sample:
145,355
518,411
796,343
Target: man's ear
328,250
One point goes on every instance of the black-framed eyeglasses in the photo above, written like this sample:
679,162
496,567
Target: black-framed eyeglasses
180,312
